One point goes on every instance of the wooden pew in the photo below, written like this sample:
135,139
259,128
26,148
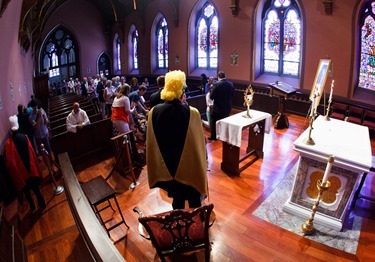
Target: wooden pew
199,102
93,138
68,106
97,242
65,112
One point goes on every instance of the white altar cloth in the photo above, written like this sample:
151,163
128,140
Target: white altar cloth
349,143
229,129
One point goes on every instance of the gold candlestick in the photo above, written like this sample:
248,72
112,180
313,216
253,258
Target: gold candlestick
309,140
308,227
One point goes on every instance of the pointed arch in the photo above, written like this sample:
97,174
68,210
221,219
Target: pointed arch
159,44
59,55
133,50
204,38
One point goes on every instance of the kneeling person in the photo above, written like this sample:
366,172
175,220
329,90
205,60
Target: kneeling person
76,119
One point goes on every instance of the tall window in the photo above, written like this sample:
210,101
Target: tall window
281,34
366,78
117,53
162,43
59,55
207,37
135,48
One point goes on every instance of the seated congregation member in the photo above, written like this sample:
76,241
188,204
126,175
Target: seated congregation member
121,110
155,97
76,119
175,148
39,120
22,164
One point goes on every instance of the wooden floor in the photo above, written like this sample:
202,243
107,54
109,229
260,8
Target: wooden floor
237,235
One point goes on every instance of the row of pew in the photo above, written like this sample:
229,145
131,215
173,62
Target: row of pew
91,139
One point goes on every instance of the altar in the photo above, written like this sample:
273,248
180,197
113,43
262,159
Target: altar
229,131
350,146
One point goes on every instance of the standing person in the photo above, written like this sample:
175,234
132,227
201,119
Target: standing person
222,93
100,91
135,98
22,164
175,148
109,95
76,119
134,86
209,104
204,80
24,124
121,110
40,122
155,97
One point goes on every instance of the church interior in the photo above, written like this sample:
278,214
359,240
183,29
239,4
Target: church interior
298,183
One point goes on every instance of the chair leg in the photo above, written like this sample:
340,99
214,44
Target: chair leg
119,210
356,195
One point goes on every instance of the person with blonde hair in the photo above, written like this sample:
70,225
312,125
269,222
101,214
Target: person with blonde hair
175,148
121,111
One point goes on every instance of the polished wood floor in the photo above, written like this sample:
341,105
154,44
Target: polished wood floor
237,235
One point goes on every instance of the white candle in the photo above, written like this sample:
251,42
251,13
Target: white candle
330,94
328,169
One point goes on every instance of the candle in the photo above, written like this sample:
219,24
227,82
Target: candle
328,169
330,94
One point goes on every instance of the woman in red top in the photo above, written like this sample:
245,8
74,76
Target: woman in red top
121,110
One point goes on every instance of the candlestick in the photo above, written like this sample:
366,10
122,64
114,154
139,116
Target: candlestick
313,106
328,169
330,94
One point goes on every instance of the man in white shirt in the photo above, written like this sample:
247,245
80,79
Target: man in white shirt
76,119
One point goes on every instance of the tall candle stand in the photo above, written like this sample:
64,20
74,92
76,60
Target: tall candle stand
323,185
309,140
308,227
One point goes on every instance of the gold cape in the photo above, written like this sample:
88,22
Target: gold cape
192,167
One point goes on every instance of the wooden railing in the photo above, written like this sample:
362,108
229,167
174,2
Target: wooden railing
96,239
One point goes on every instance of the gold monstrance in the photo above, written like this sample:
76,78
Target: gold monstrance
248,96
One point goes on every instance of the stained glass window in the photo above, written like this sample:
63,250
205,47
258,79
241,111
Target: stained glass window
162,43
281,38
366,79
118,52
207,37
135,48
59,55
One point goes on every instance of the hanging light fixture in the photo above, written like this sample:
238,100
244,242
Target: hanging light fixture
135,4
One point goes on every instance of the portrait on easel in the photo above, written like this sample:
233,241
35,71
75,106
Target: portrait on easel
320,80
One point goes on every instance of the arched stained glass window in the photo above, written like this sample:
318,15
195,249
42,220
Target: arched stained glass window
207,37
58,57
281,38
135,48
117,47
366,78
162,43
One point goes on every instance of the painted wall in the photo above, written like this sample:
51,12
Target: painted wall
16,69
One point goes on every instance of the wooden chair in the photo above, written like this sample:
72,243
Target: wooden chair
178,231
339,110
98,191
355,115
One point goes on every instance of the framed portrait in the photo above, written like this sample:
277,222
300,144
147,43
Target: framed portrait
320,81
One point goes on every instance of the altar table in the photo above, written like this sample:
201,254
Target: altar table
229,131
350,146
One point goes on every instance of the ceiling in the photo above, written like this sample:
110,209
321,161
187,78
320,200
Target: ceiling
35,13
